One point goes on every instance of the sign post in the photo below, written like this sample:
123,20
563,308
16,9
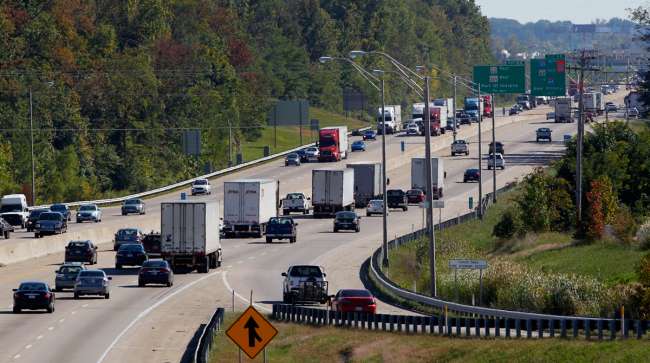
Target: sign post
469,265
251,332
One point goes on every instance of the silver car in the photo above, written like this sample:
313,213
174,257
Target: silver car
133,205
89,212
92,282
312,153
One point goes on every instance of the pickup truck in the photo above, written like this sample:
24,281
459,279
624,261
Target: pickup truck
295,202
397,199
281,228
459,147
543,133
304,283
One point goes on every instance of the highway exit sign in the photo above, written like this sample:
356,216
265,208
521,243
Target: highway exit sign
548,75
501,78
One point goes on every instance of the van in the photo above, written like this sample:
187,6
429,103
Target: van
13,209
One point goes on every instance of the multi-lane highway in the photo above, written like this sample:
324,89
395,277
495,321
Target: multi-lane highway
155,324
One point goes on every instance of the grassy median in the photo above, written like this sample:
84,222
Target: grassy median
302,343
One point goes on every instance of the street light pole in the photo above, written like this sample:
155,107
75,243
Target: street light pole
383,176
480,155
31,134
494,163
429,189
455,120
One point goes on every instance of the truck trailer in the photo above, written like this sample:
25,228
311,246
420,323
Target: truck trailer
248,204
190,235
418,176
563,109
332,191
392,118
367,181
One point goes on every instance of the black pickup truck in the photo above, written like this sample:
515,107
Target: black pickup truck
397,199
281,228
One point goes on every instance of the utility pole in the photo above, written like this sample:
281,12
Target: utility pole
494,161
383,176
627,87
31,134
229,143
429,189
480,172
455,120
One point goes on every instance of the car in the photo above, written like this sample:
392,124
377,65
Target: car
497,161
63,209
92,282
358,145
201,186
633,112
5,228
396,198
127,235
81,251
130,254
347,220
292,159
304,283
415,196
499,148
471,175
67,274
89,212
33,295
133,205
459,147
312,154
550,115
611,107
567,138
375,206
302,154
50,223
412,130
295,202
353,300
33,218
463,118
369,135
281,228
543,133
513,111
155,272
152,244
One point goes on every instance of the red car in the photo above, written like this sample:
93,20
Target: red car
415,196
351,300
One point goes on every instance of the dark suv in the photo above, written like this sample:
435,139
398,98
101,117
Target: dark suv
130,254
50,223
81,251
397,199
33,217
345,220
63,209
499,148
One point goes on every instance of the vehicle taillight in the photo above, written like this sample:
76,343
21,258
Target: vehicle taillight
47,295
164,270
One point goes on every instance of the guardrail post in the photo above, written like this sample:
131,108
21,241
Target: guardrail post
441,325
486,324
506,325
409,323
540,329
587,329
449,325
391,322
518,327
563,328
612,329
626,329
400,323
637,329
574,325
384,320
529,328
551,328
468,327
497,326
355,319
458,325
338,318
599,326
477,327
375,318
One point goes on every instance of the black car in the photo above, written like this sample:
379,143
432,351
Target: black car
499,148
346,220
5,228
81,251
303,155
155,272
281,228
471,175
152,243
130,254
50,223
33,295
34,214
463,118
63,209
397,199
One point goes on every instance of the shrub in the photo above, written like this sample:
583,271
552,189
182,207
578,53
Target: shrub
561,206
533,201
595,215
643,270
624,225
643,235
509,225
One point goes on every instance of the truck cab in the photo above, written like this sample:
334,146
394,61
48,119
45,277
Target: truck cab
295,202
13,209
281,228
333,143
304,283
397,199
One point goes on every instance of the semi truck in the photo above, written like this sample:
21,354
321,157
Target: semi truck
247,205
593,103
488,107
447,103
438,118
367,181
563,109
392,118
190,235
333,143
417,112
418,176
474,108
332,191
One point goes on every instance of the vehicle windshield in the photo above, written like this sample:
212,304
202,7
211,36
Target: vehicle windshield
414,192
155,264
305,271
376,203
70,269
79,244
472,171
345,215
369,132
58,208
91,274
32,286
88,208
292,156
358,142
11,208
327,142
132,201
127,234
50,216
201,182
131,247
354,293
394,193
280,221
36,213
295,196
311,150
459,142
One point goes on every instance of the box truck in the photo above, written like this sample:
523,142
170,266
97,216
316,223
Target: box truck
392,118
367,181
563,109
332,191
333,143
13,209
447,103
190,235
248,204
418,176
593,103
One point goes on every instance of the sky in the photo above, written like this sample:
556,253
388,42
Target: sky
576,11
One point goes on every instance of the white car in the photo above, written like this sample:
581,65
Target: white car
89,212
412,129
201,186
500,161
304,283
375,206
312,154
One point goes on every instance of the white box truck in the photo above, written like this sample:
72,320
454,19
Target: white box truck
418,176
248,204
593,103
13,209
392,119
332,190
190,235
367,181
563,109
448,103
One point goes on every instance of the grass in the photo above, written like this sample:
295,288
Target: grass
302,343
288,137
639,125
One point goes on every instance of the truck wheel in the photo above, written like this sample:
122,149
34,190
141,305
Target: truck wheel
305,211
285,212
269,239
7,234
204,267
336,230
292,240
405,209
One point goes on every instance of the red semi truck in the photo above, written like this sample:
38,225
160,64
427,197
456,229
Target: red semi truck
333,143
435,115
487,106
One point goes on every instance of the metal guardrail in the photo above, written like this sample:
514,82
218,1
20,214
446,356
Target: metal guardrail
389,286
476,326
202,351
188,181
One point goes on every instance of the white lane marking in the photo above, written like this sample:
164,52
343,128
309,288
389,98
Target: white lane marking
149,309
61,320
251,257
229,266
50,328
39,337
263,253
28,346
240,262
245,300
84,305
16,356
72,313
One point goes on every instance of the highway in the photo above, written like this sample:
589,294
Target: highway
155,324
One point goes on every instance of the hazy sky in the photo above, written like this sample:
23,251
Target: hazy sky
577,11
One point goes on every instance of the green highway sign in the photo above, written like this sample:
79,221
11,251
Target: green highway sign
515,62
548,75
501,78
